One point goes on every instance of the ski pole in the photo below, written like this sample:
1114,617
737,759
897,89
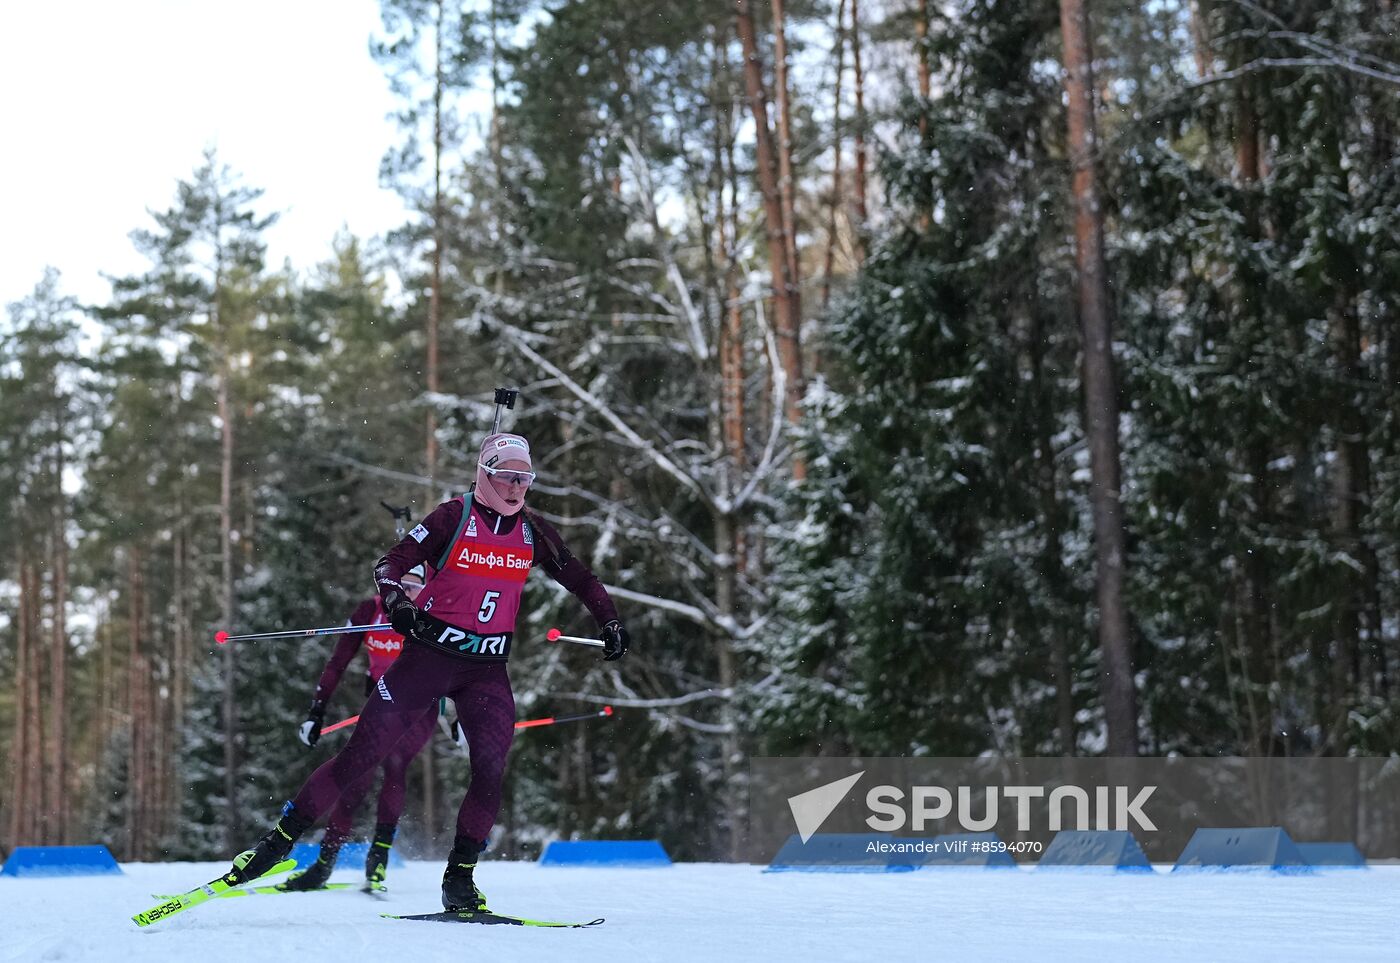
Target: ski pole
551,720
221,637
341,724
554,635
522,724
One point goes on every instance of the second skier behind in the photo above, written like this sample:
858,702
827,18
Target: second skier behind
383,647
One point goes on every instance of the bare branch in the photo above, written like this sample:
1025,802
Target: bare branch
403,476
673,271
691,612
767,463
635,703
647,448
1273,63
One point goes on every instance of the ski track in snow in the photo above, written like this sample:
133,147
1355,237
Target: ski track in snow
710,911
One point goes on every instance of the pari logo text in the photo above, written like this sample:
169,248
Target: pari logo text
476,644
977,809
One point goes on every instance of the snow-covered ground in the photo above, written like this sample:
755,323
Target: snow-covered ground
726,913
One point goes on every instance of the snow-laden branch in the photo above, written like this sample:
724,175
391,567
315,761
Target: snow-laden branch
598,405
635,703
1272,63
402,476
631,700
713,728
768,462
1343,55
645,294
691,612
673,272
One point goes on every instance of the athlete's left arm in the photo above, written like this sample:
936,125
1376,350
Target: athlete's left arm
552,555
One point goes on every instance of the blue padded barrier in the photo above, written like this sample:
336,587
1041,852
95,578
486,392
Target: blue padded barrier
352,855
878,853
1332,855
1266,849
836,853
1114,851
633,853
60,861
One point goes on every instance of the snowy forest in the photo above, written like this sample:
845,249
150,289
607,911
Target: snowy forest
922,377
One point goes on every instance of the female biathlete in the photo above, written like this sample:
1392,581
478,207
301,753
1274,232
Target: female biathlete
481,545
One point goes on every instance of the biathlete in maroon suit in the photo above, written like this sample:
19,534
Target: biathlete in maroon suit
383,647
482,547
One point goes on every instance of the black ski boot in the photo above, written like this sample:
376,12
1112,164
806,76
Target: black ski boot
377,859
270,850
459,892
313,877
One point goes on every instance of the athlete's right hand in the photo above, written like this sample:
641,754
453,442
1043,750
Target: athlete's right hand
616,641
403,616
310,731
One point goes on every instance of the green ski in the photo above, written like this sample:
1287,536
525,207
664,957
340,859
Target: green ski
489,919
269,890
200,894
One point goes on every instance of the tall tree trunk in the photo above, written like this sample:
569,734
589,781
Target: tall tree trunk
862,158
435,287
732,436
1257,664
39,795
728,433
787,303
1100,393
430,821
1350,493
495,145
1200,39
181,636
1052,567
726,580
837,198
135,702
58,657
921,28
786,184
107,676
34,712
233,828
34,707
21,779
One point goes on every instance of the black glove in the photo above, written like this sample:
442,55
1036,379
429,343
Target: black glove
403,616
616,641
310,730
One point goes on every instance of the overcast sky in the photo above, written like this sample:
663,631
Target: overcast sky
105,104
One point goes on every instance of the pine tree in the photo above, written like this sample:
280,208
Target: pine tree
919,614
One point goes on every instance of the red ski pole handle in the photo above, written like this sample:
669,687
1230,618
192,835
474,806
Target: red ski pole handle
522,724
554,635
